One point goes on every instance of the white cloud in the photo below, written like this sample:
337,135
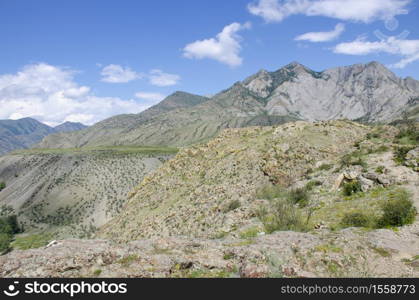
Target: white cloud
50,94
150,96
118,74
364,11
407,49
225,47
325,36
159,78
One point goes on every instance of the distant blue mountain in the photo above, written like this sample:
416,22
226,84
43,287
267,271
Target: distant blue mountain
22,133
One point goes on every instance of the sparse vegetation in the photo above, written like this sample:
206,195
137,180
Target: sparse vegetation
2,185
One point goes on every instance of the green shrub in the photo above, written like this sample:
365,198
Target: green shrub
380,169
408,135
13,223
5,240
382,148
353,159
5,227
400,154
352,187
356,219
373,135
282,216
311,184
398,210
299,196
2,186
232,206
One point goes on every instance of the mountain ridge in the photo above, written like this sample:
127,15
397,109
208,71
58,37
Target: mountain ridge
369,92
23,133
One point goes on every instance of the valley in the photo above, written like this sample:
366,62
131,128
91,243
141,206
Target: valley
71,192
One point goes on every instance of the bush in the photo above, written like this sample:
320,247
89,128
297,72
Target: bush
408,135
232,206
283,216
311,184
400,154
5,240
380,169
351,188
299,196
2,186
353,159
9,225
374,135
5,227
397,211
356,219
14,225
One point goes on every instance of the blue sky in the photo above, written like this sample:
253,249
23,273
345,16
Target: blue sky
86,60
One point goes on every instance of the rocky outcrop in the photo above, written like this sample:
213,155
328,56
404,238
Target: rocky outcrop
382,253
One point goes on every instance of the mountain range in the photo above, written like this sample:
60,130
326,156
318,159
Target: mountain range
365,92
23,133
184,190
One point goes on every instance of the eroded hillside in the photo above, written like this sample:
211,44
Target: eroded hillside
329,199
69,191
216,188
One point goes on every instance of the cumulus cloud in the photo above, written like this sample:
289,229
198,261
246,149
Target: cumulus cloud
407,49
159,78
225,47
118,74
50,94
325,36
364,11
150,96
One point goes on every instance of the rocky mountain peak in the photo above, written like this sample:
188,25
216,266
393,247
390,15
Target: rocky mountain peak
296,66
